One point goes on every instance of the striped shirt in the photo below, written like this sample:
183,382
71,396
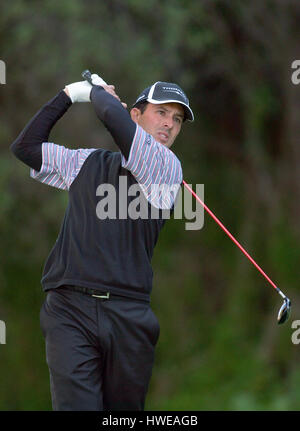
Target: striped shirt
154,166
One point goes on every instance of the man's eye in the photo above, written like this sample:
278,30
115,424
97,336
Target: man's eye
161,112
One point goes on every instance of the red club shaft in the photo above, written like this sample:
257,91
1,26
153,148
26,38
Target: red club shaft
230,235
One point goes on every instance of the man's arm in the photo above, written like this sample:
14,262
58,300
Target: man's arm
28,145
115,117
52,164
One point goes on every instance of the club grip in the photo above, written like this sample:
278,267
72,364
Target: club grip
86,74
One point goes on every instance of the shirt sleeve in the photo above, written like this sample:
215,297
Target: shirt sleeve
155,167
60,165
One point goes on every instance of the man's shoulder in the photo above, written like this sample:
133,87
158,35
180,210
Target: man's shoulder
102,153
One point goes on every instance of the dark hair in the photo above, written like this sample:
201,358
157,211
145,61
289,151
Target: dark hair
142,106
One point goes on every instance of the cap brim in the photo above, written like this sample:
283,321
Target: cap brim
188,111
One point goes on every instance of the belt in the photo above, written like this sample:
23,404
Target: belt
88,291
96,293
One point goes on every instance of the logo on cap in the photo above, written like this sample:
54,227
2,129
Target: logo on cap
166,92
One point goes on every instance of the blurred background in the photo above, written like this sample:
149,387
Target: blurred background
220,347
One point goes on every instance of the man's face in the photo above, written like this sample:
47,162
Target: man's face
162,121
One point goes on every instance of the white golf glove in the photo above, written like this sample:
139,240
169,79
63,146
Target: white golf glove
81,91
97,80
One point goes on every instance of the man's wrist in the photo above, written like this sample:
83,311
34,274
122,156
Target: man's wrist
66,91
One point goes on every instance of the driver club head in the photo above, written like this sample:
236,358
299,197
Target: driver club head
284,311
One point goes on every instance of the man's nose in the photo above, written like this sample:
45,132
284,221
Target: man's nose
168,122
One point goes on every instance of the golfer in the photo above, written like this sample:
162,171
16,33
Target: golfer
100,331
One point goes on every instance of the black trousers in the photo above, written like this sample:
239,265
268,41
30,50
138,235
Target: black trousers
100,352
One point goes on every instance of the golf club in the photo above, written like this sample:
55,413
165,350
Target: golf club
285,309
86,74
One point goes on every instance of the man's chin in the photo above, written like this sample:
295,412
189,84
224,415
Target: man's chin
164,142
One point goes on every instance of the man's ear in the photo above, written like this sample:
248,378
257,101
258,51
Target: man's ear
135,114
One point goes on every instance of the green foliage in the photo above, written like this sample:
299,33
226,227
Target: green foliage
220,347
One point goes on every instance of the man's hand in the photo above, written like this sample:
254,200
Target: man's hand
111,90
81,91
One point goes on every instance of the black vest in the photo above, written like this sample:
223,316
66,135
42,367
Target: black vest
106,254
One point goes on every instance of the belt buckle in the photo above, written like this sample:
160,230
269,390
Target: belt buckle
106,296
